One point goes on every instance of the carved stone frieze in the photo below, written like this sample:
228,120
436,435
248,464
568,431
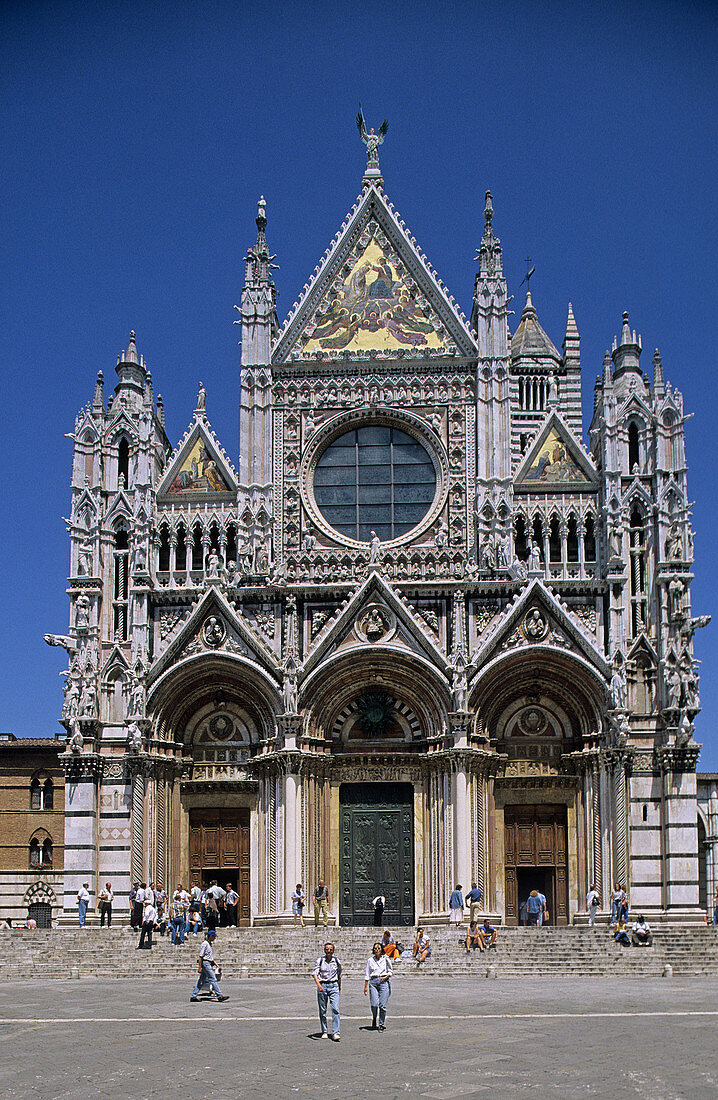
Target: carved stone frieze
81,768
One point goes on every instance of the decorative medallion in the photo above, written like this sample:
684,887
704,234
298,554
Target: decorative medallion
532,721
375,623
214,631
535,626
375,710
221,727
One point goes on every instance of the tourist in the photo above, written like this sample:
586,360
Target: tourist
472,936
473,900
534,907
379,904
206,969
83,900
487,935
194,920
298,900
641,935
389,945
211,910
137,906
106,899
713,918
230,906
543,911
321,904
131,900
422,947
456,905
523,912
623,912
620,934
592,903
616,900
149,919
377,983
178,920
328,980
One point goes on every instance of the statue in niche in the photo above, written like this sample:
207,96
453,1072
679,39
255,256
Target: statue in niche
460,684
139,558
689,680
618,683
308,542
442,535
674,544
84,558
213,565
76,742
534,558
374,549
535,626
290,692
615,543
501,561
261,564
88,700
676,595
674,687
82,612
624,730
71,704
134,738
245,557
685,731
137,702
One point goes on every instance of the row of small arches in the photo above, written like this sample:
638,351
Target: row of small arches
193,543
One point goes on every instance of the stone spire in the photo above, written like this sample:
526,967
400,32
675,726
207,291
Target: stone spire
625,355
659,388
257,313
98,405
131,374
489,256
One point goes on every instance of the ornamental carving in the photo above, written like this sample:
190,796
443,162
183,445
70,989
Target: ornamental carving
534,626
214,632
375,623
532,721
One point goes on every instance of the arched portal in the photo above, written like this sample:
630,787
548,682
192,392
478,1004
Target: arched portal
540,710
379,713
213,714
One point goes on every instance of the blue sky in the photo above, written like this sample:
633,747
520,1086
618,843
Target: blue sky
138,137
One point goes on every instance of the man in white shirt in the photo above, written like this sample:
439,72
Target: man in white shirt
106,899
328,980
149,917
205,964
641,935
592,903
230,905
83,900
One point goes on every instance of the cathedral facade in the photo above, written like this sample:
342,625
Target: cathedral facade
418,634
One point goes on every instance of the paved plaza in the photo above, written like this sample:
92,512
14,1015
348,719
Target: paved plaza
473,1037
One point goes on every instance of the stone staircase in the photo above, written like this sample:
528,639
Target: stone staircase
253,952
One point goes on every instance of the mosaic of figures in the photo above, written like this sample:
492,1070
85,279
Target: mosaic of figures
199,473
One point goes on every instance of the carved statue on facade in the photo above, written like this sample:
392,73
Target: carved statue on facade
674,544
82,612
441,536
618,683
201,398
213,565
290,692
261,563
674,686
138,699
534,558
61,640
84,558
308,542
245,558
88,700
373,625
76,742
374,549
615,543
135,741
71,704
139,558
460,684
371,140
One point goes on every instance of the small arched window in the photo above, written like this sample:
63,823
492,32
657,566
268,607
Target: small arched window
554,545
163,563
41,793
572,539
123,460
634,454
231,542
520,542
197,548
120,603
538,535
40,851
639,571
589,540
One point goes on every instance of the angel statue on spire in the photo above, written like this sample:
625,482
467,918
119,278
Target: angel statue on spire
371,140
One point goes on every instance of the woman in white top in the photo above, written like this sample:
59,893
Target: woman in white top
377,983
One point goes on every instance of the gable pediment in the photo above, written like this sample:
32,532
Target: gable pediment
373,292
555,460
215,627
537,617
375,615
199,468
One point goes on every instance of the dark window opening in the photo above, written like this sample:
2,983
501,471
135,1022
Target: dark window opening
538,535
554,545
181,550
633,447
231,542
123,460
120,604
164,553
197,548
572,539
638,578
520,541
589,540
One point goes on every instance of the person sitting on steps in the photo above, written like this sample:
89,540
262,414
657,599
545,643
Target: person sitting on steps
487,935
472,937
422,947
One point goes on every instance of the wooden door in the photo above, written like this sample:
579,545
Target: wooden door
535,838
219,848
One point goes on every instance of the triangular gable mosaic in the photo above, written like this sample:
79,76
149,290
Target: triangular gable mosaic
198,467
373,309
374,291
554,459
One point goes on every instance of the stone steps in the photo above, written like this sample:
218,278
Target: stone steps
245,952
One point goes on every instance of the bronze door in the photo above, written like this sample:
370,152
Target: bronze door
536,857
377,852
219,849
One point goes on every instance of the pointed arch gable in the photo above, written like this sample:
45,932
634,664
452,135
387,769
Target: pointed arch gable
199,467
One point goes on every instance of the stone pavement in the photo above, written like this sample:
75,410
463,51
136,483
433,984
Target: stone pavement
649,1038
